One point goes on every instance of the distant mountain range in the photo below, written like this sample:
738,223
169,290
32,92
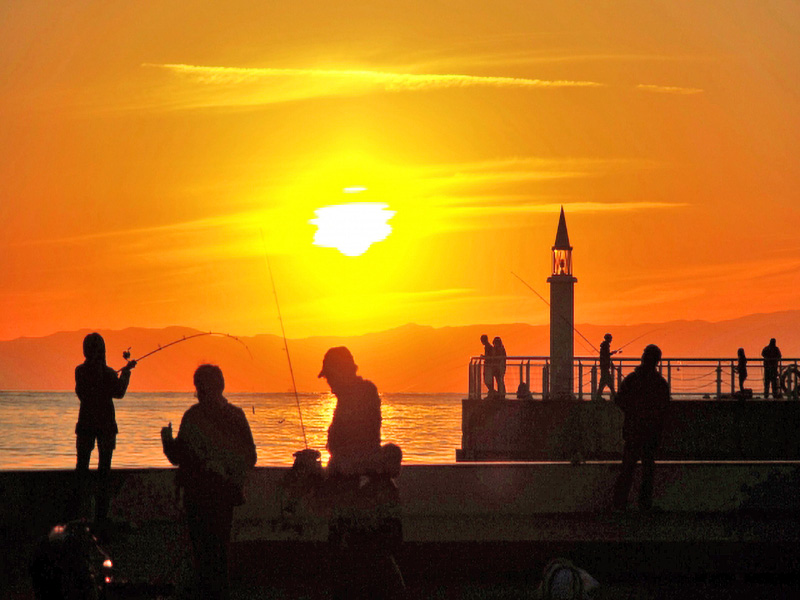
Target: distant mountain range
411,358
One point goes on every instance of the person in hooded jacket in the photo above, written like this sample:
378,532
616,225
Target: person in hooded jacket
96,385
644,398
214,451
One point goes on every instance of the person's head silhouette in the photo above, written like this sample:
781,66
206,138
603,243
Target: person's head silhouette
651,357
607,337
209,384
485,339
94,348
338,366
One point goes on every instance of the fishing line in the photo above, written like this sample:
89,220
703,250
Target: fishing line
575,329
638,338
285,343
126,355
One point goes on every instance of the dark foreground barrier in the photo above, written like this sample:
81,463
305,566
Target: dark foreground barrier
694,430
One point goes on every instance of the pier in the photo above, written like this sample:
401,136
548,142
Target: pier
708,419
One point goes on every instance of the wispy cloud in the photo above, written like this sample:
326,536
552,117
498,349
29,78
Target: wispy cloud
668,89
215,75
573,207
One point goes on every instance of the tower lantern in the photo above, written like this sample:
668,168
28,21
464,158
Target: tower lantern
562,314
562,251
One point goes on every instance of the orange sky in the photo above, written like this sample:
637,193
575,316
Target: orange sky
147,147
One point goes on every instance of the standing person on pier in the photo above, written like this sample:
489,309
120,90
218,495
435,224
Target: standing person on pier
741,368
606,376
644,398
488,375
214,452
772,358
364,528
96,385
499,366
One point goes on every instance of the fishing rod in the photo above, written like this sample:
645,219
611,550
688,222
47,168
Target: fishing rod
636,338
285,343
575,329
127,353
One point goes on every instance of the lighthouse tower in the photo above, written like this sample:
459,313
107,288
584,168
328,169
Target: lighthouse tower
562,315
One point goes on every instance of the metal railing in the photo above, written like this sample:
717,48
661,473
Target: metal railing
689,378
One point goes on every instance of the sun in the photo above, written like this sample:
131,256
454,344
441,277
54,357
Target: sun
352,228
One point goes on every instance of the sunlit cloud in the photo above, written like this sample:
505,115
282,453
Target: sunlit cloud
388,81
501,206
668,89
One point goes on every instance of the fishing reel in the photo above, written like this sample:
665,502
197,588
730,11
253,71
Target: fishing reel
126,354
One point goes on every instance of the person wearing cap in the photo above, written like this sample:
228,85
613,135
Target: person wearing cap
364,528
644,398
96,385
354,436
606,378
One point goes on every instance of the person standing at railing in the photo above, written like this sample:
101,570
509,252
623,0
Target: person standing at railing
488,375
499,366
772,357
741,368
644,397
606,377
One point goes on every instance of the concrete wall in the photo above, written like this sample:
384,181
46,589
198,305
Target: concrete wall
460,502
694,430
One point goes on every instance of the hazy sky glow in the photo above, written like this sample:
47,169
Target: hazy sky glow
153,154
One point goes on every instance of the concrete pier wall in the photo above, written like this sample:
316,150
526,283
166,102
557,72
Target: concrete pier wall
442,503
694,430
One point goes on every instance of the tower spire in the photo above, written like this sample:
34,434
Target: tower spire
562,237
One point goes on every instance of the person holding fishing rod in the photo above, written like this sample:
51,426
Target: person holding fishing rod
606,376
96,385
365,526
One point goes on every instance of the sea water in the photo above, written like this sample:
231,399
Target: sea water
37,429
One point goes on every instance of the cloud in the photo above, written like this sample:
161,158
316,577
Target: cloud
389,81
573,207
668,89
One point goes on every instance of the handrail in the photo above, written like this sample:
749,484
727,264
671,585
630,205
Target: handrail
689,377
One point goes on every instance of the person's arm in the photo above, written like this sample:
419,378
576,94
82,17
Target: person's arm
248,445
120,384
175,449
80,383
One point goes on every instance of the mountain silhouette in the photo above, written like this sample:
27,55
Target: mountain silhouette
411,358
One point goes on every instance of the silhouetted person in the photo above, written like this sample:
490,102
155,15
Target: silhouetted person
524,392
644,398
499,366
772,357
96,385
364,529
214,451
488,376
606,376
741,368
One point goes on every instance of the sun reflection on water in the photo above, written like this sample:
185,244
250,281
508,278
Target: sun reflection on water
39,427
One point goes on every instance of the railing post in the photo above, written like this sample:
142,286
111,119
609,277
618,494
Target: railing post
733,377
719,380
580,380
528,373
594,381
619,376
545,381
669,375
